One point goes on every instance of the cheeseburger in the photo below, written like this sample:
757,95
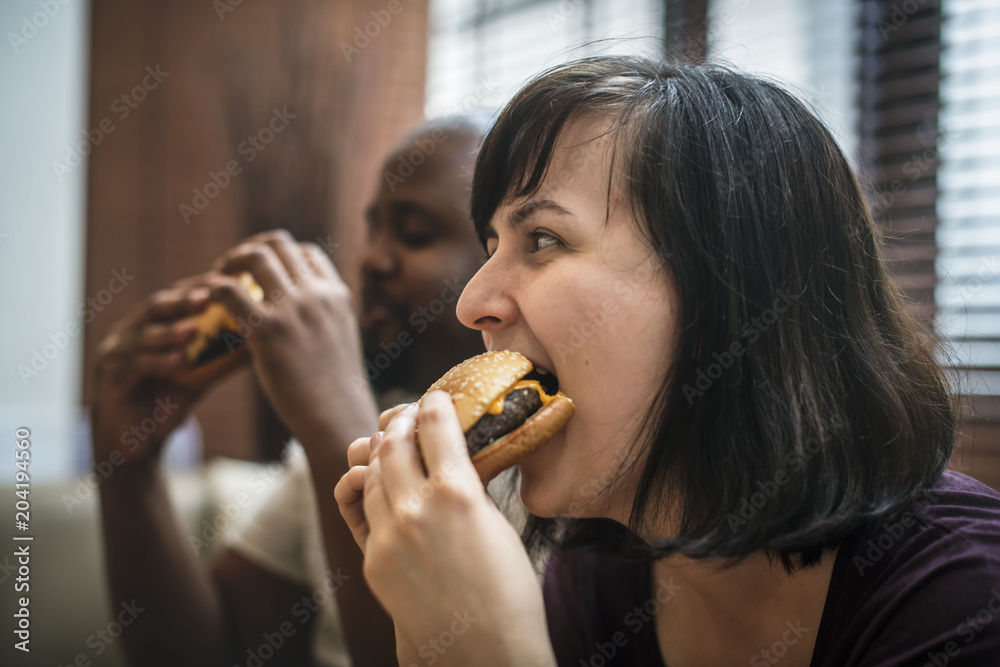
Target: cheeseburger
506,408
218,343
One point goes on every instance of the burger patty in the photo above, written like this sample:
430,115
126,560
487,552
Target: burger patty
219,346
517,407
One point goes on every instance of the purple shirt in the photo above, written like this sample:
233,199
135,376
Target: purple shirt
922,590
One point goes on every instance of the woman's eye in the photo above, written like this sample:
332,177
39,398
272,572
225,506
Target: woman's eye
491,247
544,240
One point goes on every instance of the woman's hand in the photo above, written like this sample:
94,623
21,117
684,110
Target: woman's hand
350,490
304,337
439,555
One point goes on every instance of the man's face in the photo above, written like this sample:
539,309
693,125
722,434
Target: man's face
422,250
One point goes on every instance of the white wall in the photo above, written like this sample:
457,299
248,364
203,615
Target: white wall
43,85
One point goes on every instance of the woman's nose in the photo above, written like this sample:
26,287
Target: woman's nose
487,302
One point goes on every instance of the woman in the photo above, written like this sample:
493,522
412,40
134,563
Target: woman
755,469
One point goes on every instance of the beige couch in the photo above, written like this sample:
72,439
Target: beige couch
68,599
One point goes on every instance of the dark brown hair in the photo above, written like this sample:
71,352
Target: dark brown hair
804,401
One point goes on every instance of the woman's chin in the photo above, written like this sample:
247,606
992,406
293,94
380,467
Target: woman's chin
540,502
540,480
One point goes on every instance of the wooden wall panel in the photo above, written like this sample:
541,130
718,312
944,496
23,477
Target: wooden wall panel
227,71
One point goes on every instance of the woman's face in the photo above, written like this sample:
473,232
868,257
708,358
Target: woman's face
572,286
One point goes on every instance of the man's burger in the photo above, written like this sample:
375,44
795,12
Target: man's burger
219,343
506,409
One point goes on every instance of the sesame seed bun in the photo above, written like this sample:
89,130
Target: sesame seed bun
477,383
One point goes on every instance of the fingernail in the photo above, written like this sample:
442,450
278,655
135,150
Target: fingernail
410,409
375,441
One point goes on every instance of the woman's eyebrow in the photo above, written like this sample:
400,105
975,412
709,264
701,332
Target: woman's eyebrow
530,208
523,212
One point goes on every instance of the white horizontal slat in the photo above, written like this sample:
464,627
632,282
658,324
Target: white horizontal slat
958,242
806,46
983,177
961,322
968,294
974,383
968,6
977,353
499,44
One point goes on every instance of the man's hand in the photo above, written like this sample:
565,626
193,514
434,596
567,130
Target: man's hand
303,338
136,363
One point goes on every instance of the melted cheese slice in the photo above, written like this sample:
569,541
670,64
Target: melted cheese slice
496,407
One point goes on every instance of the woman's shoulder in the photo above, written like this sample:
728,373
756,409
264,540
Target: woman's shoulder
957,517
924,585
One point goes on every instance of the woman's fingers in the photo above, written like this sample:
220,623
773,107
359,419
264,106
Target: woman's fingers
442,441
359,452
397,454
378,512
349,494
387,415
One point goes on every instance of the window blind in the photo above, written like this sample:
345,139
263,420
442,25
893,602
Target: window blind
806,46
968,206
481,53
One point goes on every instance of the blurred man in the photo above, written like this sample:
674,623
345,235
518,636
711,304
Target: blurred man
286,587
